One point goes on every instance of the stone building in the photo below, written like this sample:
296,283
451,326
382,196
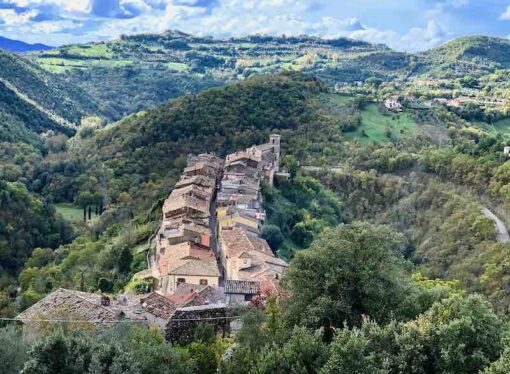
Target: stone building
183,323
240,292
245,256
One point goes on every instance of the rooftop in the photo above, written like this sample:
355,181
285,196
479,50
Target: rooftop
80,306
158,305
191,189
242,155
242,287
199,180
177,255
172,204
238,241
196,267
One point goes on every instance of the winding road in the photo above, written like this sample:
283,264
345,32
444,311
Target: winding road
503,235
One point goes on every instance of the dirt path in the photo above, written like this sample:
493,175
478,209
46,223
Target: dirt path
503,235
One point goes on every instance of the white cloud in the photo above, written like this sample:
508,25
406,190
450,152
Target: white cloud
68,5
9,17
78,21
505,16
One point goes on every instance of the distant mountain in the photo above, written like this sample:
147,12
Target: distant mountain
12,45
140,72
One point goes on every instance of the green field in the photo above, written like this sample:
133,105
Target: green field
95,50
70,212
375,126
177,66
501,126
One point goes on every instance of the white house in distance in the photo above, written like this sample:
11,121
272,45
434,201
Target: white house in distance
506,151
393,103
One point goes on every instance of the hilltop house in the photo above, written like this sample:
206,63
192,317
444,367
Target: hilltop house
184,230
249,219
200,181
269,154
247,257
186,206
506,151
203,168
186,262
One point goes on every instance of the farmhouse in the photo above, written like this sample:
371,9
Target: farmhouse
393,103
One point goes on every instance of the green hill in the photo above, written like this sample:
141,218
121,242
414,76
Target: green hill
26,222
219,120
33,101
473,48
139,72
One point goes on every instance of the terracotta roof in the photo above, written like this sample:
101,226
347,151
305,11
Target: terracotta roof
182,299
238,241
242,155
198,180
176,255
178,229
158,305
196,267
173,204
206,167
191,190
193,295
242,287
79,306
270,286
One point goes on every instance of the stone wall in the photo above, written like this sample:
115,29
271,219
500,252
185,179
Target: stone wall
181,326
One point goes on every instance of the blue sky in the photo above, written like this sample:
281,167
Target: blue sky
409,25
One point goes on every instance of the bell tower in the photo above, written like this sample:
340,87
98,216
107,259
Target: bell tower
274,140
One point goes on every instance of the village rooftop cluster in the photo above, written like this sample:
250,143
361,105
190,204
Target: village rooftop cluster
206,256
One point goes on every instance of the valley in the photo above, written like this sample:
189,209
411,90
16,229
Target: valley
338,198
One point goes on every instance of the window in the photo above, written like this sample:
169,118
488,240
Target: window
203,282
181,280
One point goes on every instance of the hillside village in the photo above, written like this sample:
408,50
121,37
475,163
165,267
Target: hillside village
206,256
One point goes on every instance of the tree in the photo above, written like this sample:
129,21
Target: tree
204,358
455,336
204,333
349,353
350,271
303,353
273,235
105,285
13,350
501,366
59,354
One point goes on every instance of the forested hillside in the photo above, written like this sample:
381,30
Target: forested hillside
141,71
33,101
400,176
395,266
